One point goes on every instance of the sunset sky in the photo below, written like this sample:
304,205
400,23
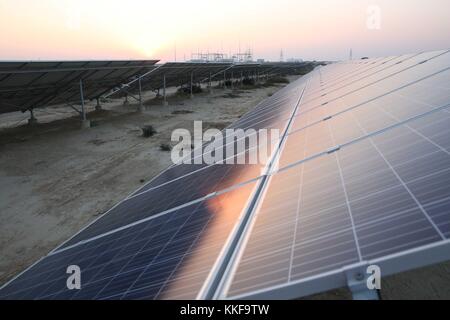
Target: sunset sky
136,29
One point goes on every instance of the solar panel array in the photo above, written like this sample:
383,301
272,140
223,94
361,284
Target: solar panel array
26,85
361,175
165,241
364,175
177,74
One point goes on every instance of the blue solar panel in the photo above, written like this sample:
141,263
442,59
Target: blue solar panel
167,257
382,195
361,176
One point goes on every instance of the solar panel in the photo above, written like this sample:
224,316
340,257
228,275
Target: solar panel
381,197
169,256
365,110
359,176
169,196
261,117
168,191
361,203
174,74
28,85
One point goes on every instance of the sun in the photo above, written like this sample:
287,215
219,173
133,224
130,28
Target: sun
148,45
146,48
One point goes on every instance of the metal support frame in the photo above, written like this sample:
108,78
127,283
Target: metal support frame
192,85
83,109
141,107
241,82
98,106
164,91
224,79
232,86
129,94
209,83
85,123
32,119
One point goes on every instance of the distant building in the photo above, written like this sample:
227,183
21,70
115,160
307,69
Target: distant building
222,57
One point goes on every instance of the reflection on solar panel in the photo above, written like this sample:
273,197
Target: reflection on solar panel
28,85
169,256
359,177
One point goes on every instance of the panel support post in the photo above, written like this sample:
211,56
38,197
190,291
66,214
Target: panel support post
242,79
32,120
357,283
165,103
192,85
224,79
98,106
84,122
210,83
141,106
232,86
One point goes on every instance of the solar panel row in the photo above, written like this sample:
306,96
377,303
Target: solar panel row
184,73
169,191
362,176
25,85
377,185
163,242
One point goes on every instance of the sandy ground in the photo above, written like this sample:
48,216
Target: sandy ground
55,178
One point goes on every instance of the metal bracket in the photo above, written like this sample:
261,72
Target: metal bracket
210,195
131,95
74,108
334,149
357,276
